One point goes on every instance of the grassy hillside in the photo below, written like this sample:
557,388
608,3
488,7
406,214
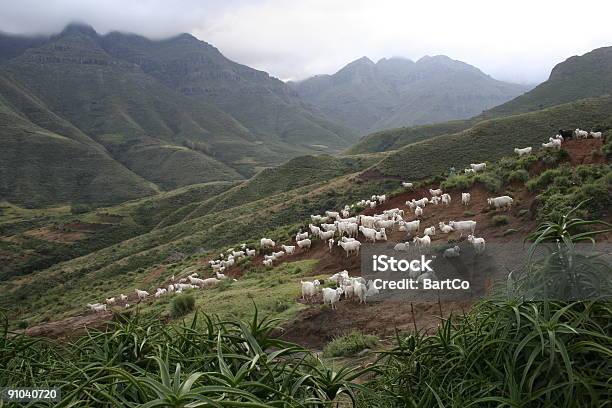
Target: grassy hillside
395,138
130,262
494,138
31,240
589,75
265,206
149,259
130,113
41,167
299,172
37,243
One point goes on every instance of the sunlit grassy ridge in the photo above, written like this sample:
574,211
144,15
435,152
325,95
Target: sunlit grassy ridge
99,229
491,139
396,138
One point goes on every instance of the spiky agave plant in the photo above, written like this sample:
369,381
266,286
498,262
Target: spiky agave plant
569,269
504,354
206,362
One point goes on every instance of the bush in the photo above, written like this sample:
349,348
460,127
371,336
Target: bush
181,305
281,305
460,182
518,175
224,285
489,181
500,220
80,208
350,344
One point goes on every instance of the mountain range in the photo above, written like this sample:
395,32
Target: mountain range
368,97
102,119
578,77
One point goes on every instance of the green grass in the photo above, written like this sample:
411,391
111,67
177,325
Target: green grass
48,162
299,172
394,139
181,304
506,351
273,291
279,216
349,344
110,226
561,188
499,220
492,139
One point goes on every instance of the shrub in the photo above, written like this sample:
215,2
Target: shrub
489,181
181,305
224,284
281,305
80,208
500,220
518,175
350,344
460,182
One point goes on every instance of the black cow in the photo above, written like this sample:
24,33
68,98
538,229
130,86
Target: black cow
567,134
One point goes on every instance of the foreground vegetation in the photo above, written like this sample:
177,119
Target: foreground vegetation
508,351
202,362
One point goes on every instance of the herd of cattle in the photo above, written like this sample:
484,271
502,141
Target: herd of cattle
347,229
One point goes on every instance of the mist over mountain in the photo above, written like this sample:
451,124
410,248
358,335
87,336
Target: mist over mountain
159,114
368,96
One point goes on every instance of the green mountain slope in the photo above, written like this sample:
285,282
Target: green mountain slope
223,219
395,138
30,242
391,93
296,173
493,138
263,104
577,77
55,163
127,111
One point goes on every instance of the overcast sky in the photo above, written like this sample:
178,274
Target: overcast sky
519,40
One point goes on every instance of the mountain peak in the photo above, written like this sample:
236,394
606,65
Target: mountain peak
394,60
185,36
361,61
434,58
79,28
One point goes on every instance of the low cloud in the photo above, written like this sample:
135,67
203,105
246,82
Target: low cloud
518,41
